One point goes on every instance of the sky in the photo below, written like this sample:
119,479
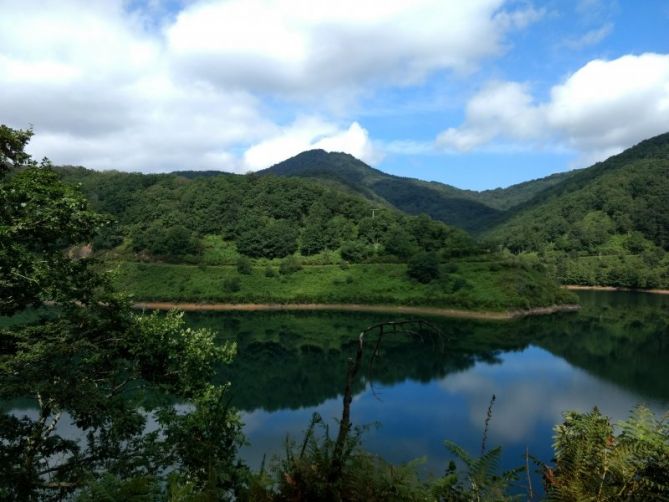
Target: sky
478,94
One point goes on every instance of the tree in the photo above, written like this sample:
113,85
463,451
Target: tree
423,267
90,359
355,251
166,241
399,242
244,266
274,240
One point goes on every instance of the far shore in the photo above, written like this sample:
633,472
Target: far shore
575,287
345,307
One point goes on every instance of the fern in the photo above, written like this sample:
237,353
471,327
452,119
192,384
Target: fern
592,462
482,479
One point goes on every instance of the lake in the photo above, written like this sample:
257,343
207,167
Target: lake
437,385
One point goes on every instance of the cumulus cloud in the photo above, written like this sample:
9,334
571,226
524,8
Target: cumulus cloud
309,133
500,108
126,85
295,46
601,109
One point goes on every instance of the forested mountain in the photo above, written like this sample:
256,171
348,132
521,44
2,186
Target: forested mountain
467,209
176,218
607,224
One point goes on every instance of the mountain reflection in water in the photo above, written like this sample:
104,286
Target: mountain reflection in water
427,388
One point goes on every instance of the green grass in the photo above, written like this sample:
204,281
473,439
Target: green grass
467,285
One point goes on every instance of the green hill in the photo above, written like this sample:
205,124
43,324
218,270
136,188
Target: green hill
284,239
215,218
607,224
467,209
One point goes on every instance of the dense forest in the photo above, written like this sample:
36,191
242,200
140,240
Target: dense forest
264,239
466,209
169,217
604,225
608,224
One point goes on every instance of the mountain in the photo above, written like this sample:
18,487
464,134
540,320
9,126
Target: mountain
177,217
467,209
604,225
626,193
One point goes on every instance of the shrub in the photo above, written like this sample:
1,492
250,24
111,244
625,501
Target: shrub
355,251
289,265
423,267
244,265
269,272
231,284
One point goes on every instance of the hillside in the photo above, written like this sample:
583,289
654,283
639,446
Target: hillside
169,217
466,209
607,224
264,239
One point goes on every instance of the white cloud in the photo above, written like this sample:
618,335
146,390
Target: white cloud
501,108
296,46
309,133
601,109
147,89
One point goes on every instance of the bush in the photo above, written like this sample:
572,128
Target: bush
244,266
273,240
423,267
289,265
355,251
269,272
231,284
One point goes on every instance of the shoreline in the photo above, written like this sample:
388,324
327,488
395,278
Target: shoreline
351,307
576,287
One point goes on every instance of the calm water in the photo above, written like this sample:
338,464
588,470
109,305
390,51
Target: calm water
614,354
424,389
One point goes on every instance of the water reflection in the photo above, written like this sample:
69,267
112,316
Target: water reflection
427,388
612,354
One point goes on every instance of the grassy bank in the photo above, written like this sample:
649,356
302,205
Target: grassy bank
481,286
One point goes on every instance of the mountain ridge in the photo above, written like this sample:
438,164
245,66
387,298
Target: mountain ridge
467,209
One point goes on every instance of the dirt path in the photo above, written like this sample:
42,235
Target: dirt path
343,307
575,287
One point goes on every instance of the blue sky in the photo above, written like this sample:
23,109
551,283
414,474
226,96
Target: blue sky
476,94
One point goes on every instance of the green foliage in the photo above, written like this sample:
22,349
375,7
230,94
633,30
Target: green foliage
473,287
619,207
592,462
304,472
204,444
244,266
290,265
12,145
213,218
423,267
399,242
355,251
162,240
274,240
232,284
481,481
90,359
